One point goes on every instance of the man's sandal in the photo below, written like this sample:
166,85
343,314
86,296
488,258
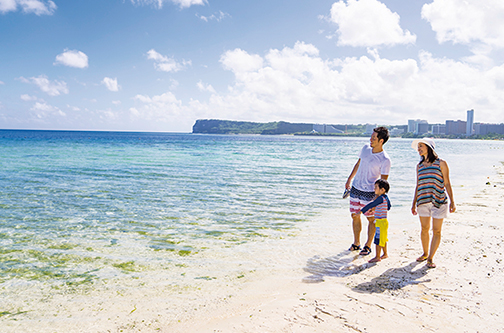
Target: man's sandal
365,251
430,264
354,248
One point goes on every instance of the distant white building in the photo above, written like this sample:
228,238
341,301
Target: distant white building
457,127
411,125
439,129
484,129
422,127
470,122
418,126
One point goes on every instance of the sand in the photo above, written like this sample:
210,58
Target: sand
341,292
307,283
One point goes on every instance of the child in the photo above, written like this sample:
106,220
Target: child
381,205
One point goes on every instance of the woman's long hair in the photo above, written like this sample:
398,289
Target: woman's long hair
431,155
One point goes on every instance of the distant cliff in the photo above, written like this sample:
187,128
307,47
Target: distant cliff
214,126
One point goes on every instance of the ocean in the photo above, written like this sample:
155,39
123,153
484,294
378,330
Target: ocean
84,211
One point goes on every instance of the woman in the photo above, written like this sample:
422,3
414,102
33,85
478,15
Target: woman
433,184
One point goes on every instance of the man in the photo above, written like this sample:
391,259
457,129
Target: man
373,163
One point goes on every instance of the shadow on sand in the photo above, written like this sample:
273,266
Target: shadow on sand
394,279
342,265
339,265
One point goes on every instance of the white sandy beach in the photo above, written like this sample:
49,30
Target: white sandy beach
307,283
464,293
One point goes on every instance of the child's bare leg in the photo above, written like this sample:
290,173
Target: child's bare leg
385,254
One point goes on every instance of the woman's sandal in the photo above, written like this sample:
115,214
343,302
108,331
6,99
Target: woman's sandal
421,258
430,264
365,251
354,248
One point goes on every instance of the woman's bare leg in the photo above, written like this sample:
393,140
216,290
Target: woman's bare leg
424,234
436,237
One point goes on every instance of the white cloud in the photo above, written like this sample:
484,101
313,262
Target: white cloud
163,112
159,3
26,97
73,108
111,84
37,7
156,3
160,106
296,84
368,23
108,115
72,58
166,64
1,82
174,84
116,102
52,88
42,109
240,61
217,17
42,106
7,5
205,87
480,57
143,98
467,21
188,3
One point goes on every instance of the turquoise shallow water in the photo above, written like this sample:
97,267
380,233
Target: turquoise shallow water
77,207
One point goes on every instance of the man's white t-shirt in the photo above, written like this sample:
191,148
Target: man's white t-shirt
371,167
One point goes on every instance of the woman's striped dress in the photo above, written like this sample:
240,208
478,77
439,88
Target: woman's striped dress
431,185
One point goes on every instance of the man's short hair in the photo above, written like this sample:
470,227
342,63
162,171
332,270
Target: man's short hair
382,133
382,183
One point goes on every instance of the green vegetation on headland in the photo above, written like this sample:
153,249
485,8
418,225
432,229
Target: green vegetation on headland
215,126
489,136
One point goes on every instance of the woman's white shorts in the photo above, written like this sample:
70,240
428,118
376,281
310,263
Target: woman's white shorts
428,210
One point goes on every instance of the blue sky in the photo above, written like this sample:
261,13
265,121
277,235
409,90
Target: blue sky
158,65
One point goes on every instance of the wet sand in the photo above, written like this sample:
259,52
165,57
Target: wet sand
341,292
306,283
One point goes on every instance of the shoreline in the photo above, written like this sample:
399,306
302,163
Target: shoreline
497,137
305,283
341,292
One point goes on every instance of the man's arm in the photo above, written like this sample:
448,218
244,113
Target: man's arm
385,168
352,174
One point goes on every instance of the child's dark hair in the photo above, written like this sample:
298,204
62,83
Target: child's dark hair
382,133
382,183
